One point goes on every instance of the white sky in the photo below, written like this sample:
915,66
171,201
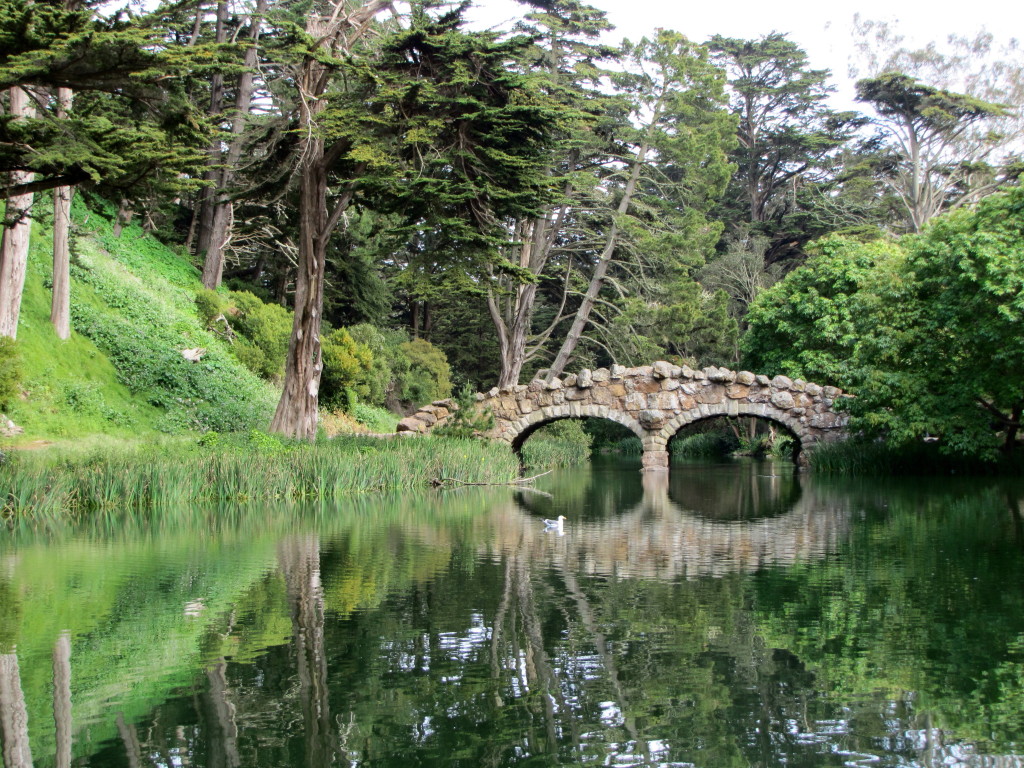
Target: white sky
821,28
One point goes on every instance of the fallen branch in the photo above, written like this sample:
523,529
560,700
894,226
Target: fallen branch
442,480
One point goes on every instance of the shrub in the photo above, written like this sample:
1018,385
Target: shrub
10,371
390,363
209,304
466,420
347,363
429,376
267,327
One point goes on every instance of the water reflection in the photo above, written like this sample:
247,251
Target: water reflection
718,618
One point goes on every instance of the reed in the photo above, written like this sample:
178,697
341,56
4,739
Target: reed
236,469
863,457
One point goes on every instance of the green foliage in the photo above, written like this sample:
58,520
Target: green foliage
564,443
390,363
710,444
168,474
11,371
347,364
808,325
209,304
266,329
429,376
466,419
944,353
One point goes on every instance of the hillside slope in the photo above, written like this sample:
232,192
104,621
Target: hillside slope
122,372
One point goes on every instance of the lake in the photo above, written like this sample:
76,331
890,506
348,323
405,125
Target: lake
732,614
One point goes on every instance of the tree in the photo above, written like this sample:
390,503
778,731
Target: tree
809,324
787,135
942,139
944,353
671,169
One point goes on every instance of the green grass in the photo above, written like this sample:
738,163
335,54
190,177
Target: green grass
561,444
122,373
237,468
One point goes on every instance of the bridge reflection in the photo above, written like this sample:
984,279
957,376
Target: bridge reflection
667,535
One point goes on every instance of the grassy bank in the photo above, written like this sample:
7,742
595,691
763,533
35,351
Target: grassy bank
561,444
251,467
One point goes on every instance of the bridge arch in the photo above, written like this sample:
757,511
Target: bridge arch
654,402
761,411
522,428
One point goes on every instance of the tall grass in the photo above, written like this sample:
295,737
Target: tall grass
257,467
704,445
561,444
862,457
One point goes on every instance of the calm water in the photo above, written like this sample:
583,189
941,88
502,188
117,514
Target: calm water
726,615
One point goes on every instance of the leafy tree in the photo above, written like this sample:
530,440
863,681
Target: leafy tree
941,137
787,135
671,168
809,324
944,353
347,365
429,377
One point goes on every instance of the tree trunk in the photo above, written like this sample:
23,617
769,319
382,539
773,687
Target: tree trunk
223,208
296,414
60,307
207,196
13,715
62,699
16,232
123,218
601,270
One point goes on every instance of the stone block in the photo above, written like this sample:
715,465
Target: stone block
746,378
646,384
799,385
689,388
602,396
410,424
555,383
831,392
812,389
676,371
527,406
617,371
519,388
570,380
782,399
670,385
576,393
635,402
479,397
584,379
686,403
617,389
737,391
545,399
711,395
651,418
601,375
654,460
661,369
536,385
557,398
782,382
666,401
763,380
493,391
426,417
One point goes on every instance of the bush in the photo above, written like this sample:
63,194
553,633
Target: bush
390,363
267,327
429,376
562,444
347,364
10,371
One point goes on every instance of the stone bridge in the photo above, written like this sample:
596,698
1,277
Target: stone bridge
654,402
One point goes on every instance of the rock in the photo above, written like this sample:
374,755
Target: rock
763,380
570,380
651,419
194,355
635,402
426,417
601,375
668,385
831,392
782,399
686,372
736,391
782,382
585,379
617,371
411,424
493,391
555,383
812,389
799,385
526,405
746,378
661,369
537,385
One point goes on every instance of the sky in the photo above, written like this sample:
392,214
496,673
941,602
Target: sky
821,28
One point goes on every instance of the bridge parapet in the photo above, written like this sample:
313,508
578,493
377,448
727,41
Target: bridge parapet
654,402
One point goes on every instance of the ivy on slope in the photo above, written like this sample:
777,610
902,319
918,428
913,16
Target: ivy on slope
134,299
